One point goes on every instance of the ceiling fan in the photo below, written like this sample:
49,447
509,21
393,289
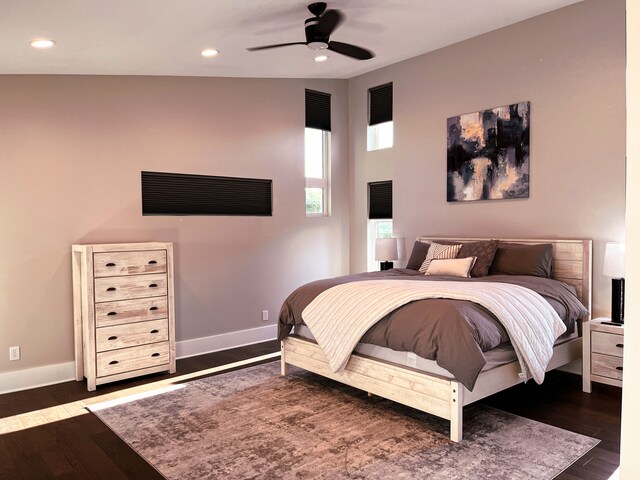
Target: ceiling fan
317,31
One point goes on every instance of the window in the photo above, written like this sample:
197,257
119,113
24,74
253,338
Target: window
380,202
376,229
317,148
317,152
380,129
188,194
379,136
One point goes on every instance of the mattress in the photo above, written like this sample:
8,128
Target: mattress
495,357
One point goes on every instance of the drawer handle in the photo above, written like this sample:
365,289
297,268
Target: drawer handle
111,289
112,313
153,308
112,337
620,345
111,264
113,362
153,285
155,354
152,262
619,368
154,331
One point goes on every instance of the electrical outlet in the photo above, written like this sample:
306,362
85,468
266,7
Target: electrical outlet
265,315
14,353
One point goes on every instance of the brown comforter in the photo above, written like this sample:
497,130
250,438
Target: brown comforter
454,333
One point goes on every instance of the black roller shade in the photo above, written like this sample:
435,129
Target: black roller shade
317,108
381,104
380,200
185,194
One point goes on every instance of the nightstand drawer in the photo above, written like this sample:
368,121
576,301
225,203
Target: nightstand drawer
128,311
606,366
114,264
131,335
133,358
607,343
125,288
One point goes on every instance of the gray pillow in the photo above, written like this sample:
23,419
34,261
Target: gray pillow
519,259
418,254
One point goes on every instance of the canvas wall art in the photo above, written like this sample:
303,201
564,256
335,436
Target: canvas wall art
488,154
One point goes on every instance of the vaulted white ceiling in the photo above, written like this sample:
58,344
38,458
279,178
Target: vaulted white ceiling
165,37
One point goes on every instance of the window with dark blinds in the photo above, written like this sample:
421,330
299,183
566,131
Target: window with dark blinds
381,104
317,108
185,194
380,200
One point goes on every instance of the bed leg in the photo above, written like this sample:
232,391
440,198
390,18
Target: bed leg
456,412
284,367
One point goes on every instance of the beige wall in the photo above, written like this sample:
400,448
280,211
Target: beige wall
71,152
630,460
570,65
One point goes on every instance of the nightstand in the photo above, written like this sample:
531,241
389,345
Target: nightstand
602,349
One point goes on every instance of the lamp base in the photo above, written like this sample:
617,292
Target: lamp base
386,266
617,300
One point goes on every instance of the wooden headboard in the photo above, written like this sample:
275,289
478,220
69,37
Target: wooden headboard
571,260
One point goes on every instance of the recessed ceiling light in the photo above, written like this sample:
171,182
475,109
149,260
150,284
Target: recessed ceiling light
42,43
209,52
321,58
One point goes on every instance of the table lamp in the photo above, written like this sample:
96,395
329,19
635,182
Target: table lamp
386,251
614,267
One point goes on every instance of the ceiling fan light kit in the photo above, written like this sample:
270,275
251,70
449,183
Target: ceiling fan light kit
317,31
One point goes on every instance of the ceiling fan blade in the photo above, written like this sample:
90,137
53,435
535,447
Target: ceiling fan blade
329,22
277,45
351,50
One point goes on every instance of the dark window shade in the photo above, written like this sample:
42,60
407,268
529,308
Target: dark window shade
185,194
381,104
317,107
380,200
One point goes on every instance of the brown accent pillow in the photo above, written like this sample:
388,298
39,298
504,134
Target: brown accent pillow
418,254
519,259
485,250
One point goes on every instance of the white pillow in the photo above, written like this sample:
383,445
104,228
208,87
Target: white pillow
456,267
437,250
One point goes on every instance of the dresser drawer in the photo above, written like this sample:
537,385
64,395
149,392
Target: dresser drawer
607,343
132,358
125,288
128,311
606,366
114,264
131,335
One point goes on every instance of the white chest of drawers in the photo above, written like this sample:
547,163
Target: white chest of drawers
123,311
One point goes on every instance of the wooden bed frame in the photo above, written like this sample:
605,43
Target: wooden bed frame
434,394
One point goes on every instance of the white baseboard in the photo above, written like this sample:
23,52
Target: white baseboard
64,372
37,377
225,341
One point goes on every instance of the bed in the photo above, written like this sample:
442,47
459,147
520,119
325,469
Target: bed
437,392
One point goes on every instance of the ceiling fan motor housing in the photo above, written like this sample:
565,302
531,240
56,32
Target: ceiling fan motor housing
315,41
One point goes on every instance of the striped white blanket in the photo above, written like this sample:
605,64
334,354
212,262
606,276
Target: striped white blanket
341,315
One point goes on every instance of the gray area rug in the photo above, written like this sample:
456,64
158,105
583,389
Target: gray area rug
252,423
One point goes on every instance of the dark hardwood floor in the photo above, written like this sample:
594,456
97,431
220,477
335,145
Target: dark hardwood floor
83,447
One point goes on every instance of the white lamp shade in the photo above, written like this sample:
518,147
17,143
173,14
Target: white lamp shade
614,260
386,249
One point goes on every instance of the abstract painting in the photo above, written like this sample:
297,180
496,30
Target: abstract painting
488,154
